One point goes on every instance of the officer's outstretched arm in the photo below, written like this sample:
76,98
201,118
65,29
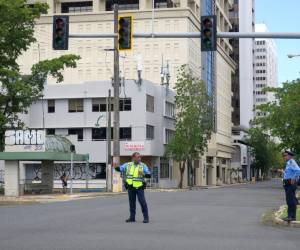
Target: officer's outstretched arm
120,168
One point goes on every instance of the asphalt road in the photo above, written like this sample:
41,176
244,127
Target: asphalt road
223,218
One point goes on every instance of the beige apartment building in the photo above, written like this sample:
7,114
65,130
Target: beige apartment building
92,17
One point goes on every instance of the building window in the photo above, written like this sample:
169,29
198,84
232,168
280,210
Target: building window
50,131
51,106
123,5
170,109
76,131
150,103
163,4
98,134
149,132
168,135
164,168
125,133
125,104
75,105
99,105
75,7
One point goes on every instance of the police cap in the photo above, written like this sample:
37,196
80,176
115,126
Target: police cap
289,152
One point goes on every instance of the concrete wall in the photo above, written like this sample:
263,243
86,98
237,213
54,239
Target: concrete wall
137,118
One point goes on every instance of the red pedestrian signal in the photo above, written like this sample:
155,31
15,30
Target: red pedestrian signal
208,33
60,39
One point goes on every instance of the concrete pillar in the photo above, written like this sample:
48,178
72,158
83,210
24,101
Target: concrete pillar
11,178
214,172
22,177
57,6
52,7
47,174
145,4
98,5
183,3
202,171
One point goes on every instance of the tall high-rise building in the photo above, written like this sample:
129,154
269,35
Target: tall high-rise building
242,16
215,68
266,72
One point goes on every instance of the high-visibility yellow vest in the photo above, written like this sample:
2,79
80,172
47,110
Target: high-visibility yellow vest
135,174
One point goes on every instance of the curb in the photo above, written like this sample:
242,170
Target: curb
279,221
221,186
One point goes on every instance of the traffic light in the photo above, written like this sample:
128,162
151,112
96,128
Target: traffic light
125,33
208,33
60,38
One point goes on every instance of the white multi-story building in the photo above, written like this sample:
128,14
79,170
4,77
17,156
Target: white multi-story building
80,111
169,16
242,16
266,72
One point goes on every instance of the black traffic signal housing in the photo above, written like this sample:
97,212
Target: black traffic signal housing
208,33
60,38
125,33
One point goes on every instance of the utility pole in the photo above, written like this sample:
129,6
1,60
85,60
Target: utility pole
108,135
116,145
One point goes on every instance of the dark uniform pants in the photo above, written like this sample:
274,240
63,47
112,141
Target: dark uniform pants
132,193
291,200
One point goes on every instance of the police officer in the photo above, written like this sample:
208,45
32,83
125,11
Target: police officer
135,172
291,173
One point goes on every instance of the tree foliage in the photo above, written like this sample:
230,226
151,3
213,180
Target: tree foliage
264,151
283,115
19,91
193,120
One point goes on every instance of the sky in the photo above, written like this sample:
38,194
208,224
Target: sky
282,16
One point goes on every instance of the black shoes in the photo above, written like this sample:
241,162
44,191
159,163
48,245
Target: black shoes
288,219
146,220
130,220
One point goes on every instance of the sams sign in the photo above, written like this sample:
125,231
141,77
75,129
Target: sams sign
24,140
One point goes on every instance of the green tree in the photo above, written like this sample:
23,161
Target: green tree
193,121
264,151
282,118
19,91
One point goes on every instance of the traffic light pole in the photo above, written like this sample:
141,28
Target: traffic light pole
275,35
108,138
116,123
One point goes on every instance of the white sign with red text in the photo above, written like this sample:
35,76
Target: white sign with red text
135,146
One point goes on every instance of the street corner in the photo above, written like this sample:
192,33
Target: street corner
277,218
167,190
15,201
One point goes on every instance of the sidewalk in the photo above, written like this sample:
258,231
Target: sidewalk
49,198
57,197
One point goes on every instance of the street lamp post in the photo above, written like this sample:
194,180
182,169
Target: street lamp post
293,55
72,151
